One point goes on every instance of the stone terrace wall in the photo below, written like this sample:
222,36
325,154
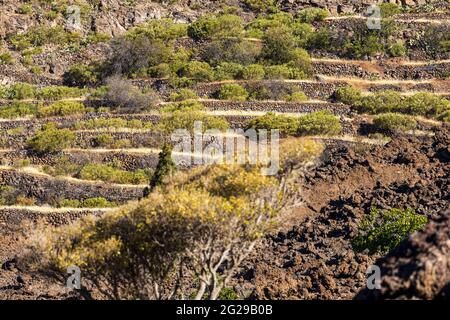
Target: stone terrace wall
129,161
11,218
50,190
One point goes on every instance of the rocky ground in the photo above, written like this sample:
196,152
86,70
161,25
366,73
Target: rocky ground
312,258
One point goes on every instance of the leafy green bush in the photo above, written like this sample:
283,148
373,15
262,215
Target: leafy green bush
310,15
41,35
233,49
425,104
81,75
394,122
18,91
233,91
183,94
278,72
380,102
181,119
301,62
50,139
197,70
348,95
187,106
272,121
319,123
210,26
397,50
445,116
62,108
110,123
6,58
98,202
58,93
253,72
261,5
228,71
18,110
110,174
163,234
165,168
297,97
228,294
380,232
279,44
389,9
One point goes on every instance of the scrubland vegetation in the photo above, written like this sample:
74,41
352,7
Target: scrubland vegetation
187,232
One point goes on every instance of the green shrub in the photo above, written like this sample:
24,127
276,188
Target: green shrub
42,35
228,294
58,93
18,110
425,104
50,139
8,195
301,62
380,102
111,123
25,9
319,123
253,72
380,232
165,168
394,122
228,71
279,45
6,58
19,91
110,174
278,72
162,70
182,95
233,91
397,50
348,95
310,15
69,203
199,71
261,5
297,97
81,75
187,106
62,108
165,30
103,140
185,120
98,202
234,50
445,116
209,26
389,9
272,121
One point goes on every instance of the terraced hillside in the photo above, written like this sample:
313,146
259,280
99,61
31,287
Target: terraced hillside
87,111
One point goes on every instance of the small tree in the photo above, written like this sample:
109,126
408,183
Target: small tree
164,169
186,240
